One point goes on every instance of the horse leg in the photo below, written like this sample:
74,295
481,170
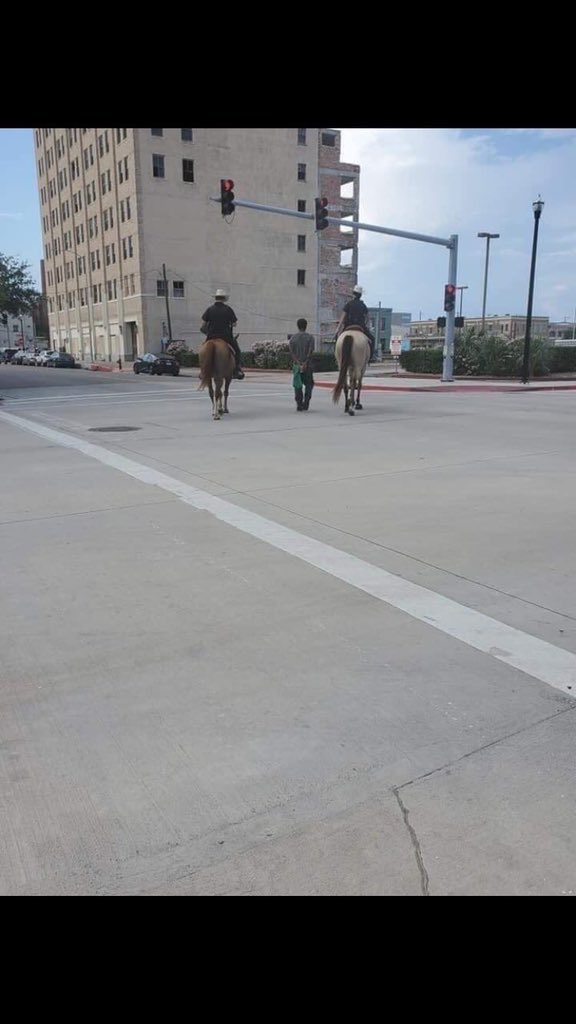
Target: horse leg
358,403
211,393
226,390
218,400
350,403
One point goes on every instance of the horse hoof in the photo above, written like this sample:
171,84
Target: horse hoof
358,406
351,412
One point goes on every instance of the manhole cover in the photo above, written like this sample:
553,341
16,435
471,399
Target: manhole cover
112,430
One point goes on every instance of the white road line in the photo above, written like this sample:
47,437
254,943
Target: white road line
535,657
190,394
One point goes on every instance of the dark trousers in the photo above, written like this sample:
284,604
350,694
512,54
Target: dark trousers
304,394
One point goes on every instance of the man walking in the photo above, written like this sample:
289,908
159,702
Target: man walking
302,350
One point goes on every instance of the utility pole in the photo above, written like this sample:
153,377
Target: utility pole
167,303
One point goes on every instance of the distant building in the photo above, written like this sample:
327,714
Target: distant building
118,205
562,333
380,322
16,331
426,334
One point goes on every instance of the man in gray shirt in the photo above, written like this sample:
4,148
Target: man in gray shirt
302,350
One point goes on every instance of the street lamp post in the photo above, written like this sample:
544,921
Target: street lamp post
461,288
487,236
538,206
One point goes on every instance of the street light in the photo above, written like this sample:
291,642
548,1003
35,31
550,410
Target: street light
487,236
538,206
461,288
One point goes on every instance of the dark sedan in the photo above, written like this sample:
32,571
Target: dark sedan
61,359
156,365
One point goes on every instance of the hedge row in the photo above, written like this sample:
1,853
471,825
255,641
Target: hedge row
492,357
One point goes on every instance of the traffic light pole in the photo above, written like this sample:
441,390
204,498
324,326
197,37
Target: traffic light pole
449,243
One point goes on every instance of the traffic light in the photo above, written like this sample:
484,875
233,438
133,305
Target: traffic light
227,196
449,298
459,322
321,213
441,322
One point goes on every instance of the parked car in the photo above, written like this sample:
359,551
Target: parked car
61,359
18,357
6,354
157,364
43,356
29,359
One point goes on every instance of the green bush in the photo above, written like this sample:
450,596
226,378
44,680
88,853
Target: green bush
247,359
324,362
422,360
562,360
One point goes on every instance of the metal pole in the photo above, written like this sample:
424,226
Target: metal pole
574,327
433,239
448,368
526,367
488,237
461,288
167,303
485,281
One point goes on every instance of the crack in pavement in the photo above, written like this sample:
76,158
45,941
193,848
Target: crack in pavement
424,878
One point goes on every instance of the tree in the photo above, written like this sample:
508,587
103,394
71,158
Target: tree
17,291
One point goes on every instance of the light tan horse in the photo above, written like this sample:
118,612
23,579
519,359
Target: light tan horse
216,368
352,355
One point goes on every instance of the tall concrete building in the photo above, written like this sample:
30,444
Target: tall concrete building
135,249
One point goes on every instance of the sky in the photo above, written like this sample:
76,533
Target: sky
432,181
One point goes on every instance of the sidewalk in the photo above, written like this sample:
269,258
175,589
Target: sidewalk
379,378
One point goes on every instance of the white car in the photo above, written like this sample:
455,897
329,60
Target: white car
42,357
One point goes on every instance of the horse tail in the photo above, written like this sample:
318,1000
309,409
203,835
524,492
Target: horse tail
207,360
347,346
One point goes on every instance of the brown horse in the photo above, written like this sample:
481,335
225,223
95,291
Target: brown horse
352,355
216,368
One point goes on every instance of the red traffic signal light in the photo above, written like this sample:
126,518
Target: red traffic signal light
449,298
227,196
321,213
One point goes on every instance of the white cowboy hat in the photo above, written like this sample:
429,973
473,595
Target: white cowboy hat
357,290
220,294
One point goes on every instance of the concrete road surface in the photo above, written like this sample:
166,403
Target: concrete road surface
286,653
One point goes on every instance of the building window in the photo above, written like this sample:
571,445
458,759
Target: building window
301,243
301,206
188,170
161,288
178,289
158,165
301,277
186,134
301,172
157,131
328,139
301,136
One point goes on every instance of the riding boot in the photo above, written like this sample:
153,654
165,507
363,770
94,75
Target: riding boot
238,371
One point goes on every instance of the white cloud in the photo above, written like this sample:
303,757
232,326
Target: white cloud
437,182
